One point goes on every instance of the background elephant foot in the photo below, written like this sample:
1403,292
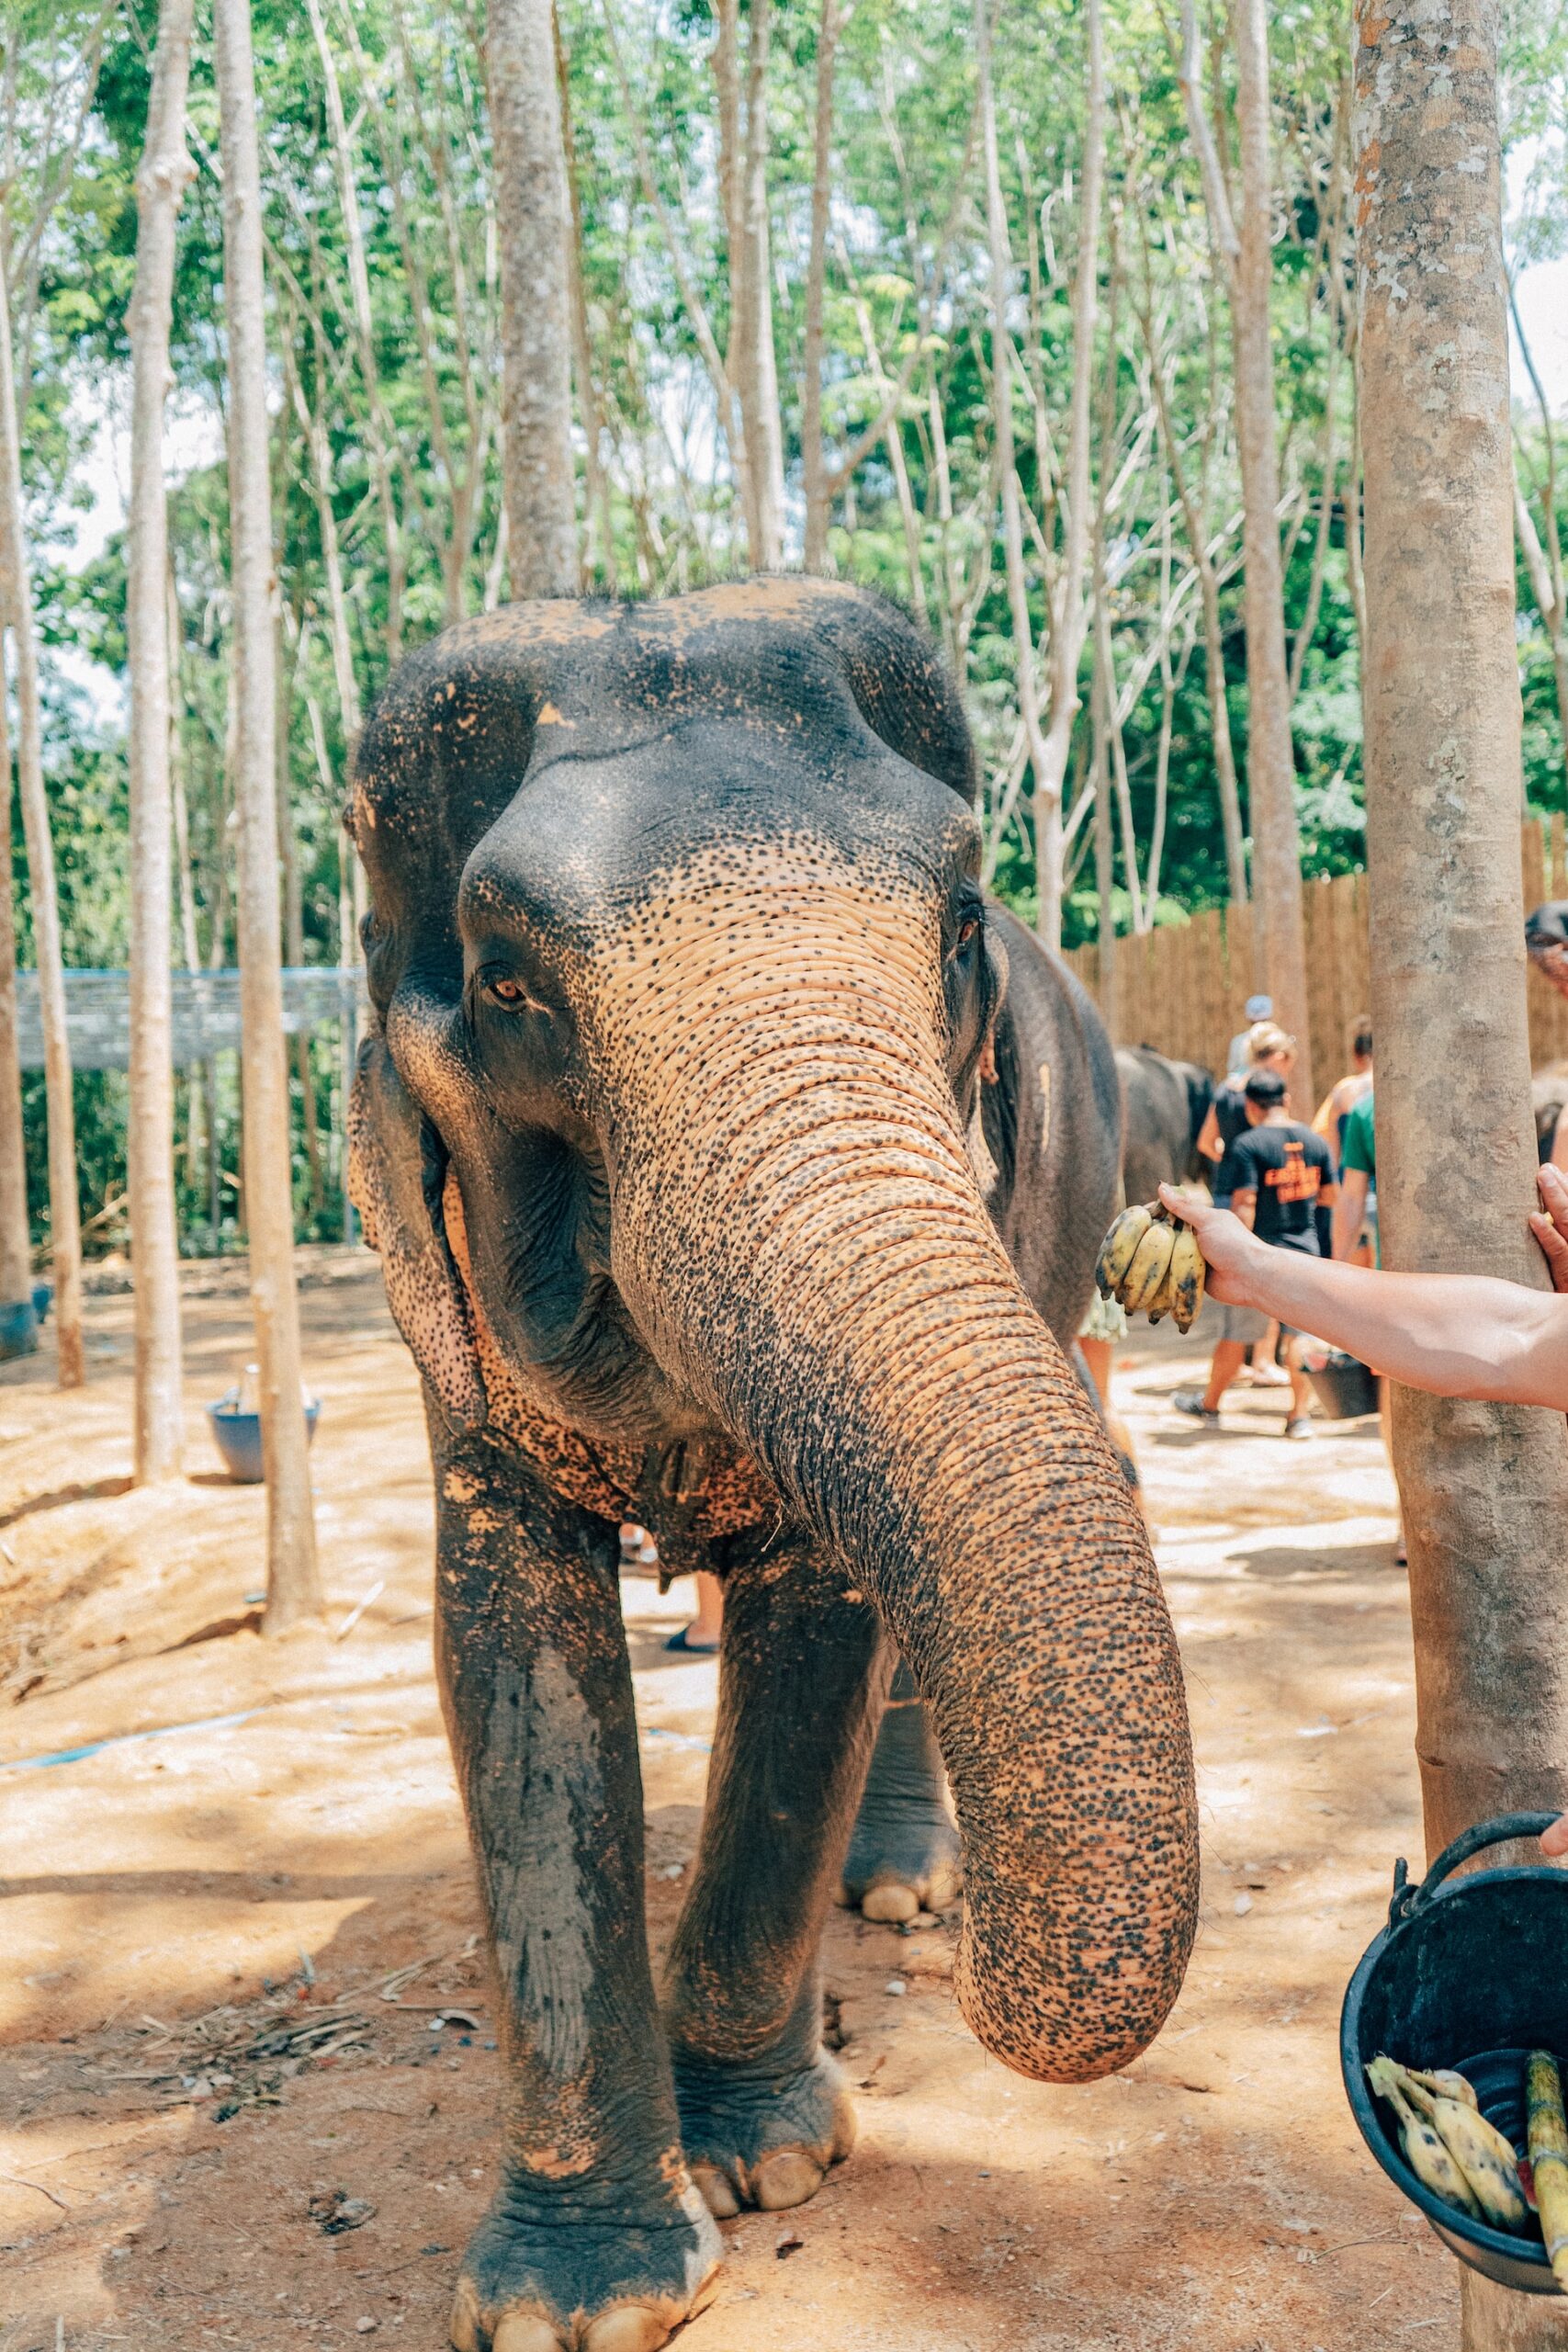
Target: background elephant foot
583,2286
766,2141
905,1855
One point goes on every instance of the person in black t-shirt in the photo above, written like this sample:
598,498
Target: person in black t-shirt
1279,1178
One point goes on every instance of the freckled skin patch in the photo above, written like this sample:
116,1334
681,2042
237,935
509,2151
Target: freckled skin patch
691,1041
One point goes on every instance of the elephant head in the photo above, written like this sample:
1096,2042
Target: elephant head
683,973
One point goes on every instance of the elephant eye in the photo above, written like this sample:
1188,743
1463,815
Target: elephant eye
967,931
509,993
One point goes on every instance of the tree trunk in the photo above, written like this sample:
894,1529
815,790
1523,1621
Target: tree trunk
764,430
601,560
1012,516
15,1239
532,217
16,609
293,1590
817,479
161,183
1456,1144
1270,767
1069,617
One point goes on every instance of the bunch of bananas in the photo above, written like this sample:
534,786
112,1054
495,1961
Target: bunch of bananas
1449,2146
1152,1264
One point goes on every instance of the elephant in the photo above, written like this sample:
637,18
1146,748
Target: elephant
1165,1104
694,1128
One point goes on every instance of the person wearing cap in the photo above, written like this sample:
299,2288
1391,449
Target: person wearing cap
1257,1008
1278,1179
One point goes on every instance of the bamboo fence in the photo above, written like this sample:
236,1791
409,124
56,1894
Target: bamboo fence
1181,988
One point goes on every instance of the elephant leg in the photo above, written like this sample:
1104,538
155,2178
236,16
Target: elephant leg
904,1856
764,2109
597,2240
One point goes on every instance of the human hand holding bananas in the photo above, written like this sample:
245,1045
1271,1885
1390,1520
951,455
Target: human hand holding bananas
1153,1265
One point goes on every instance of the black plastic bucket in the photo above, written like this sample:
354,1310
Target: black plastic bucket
1473,1976
1346,1389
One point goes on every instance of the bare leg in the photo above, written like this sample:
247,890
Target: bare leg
763,2108
597,2238
1228,1363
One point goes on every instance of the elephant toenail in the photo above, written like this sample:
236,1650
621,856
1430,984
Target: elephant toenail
786,2177
717,2194
526,2332
633,2328
891,1906
464,2324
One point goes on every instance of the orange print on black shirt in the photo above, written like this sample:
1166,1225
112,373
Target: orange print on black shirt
1297,1179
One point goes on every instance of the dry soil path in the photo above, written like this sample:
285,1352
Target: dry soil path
242,1983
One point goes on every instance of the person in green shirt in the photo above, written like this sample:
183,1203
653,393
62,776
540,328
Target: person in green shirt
1356,1210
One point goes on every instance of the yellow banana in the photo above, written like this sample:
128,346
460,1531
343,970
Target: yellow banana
1482,2154
1424,2150
1151,1261
1187,1273
1116,1249
1442,2082
1548,2157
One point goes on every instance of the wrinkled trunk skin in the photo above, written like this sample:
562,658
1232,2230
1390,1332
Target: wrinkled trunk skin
802,1242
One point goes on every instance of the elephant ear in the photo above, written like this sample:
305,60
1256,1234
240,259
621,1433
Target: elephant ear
396,1173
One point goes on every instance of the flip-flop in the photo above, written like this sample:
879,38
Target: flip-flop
692,1649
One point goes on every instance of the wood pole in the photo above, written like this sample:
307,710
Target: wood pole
532,218
161,182
293,1590
1456,1144
16,610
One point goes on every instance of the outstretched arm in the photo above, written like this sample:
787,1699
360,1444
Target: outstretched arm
1453,1335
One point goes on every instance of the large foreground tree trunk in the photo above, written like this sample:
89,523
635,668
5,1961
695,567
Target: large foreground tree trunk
1270,767
154,1237
293,1591
17,611
1456,1146
532,218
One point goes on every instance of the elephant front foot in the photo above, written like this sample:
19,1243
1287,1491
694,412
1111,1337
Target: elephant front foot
528,2286
762,2140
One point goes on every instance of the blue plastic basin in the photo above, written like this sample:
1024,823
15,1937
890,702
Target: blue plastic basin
238,1438
18,1330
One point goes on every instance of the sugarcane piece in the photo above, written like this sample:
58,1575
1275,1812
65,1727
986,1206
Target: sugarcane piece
1548,2157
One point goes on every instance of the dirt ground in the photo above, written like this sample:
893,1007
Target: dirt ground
242,1999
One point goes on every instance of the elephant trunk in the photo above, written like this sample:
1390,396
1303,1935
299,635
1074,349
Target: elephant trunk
803,1239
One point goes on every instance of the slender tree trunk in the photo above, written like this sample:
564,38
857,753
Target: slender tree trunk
812,451
16,1240
293,1590
1012,515
161,183
532,215
601,560
17,608
764,430
1270,765
1456,1143
1070,616
377,430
